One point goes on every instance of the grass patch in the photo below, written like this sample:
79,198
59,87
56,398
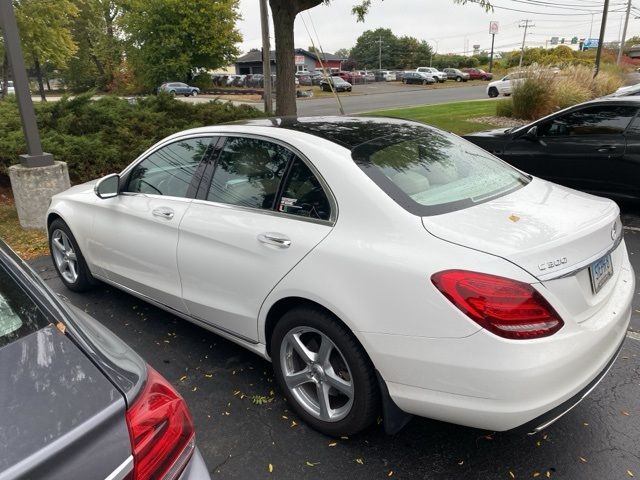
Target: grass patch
453,117
26,243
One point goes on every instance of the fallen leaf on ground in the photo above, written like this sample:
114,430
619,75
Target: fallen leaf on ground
626,414
511,474
332,444
270,468
583,460
312,464
183,378
630,473
390,474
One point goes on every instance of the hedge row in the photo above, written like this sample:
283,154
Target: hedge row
101,136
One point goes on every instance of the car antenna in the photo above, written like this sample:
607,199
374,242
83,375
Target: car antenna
319,56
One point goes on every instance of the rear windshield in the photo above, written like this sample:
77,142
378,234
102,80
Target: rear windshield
19,315
429,172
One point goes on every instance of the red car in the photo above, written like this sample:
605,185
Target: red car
478,74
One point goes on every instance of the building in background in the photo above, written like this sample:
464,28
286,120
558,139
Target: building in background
306,61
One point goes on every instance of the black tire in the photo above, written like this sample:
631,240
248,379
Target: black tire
366,398
187,94
458,79
172,93
493,92
85,280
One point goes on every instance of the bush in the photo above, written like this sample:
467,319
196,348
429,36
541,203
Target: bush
567,92
504,108
532,97
96,137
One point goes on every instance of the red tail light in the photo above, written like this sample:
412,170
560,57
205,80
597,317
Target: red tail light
508,308
161,431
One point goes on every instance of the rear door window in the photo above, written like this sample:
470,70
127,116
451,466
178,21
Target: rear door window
248,172
303,194
19,315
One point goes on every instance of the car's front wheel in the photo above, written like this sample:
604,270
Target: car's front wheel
458,79
493,92
68,259
194,93
325,374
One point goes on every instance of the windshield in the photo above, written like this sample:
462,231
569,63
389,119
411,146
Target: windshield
430,172
19,315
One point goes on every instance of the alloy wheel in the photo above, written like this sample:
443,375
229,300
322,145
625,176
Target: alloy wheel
64,256
316,374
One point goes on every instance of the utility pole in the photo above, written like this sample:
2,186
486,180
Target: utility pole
266,57
624,32
493,39
526,26
38,177
603,27
379,42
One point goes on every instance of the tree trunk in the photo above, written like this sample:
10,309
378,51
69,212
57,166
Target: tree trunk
95,59
5,75
283,20
38,69
46,79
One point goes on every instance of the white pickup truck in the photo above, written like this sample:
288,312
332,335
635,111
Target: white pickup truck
433,72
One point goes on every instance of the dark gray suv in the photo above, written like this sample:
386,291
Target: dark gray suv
77,402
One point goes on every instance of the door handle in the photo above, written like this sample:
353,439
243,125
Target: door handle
163,212
277,239
606,148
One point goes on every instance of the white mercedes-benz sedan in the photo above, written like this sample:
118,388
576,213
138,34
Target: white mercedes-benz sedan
383,266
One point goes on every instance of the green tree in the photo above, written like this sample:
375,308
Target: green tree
631,42
374,48
343,53
45,33
284,14
171,39
99,48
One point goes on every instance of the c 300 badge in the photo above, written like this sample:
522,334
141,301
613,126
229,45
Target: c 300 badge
553,263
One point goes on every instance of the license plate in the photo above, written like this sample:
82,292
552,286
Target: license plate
600,272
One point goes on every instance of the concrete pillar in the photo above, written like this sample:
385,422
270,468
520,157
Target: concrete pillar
33,188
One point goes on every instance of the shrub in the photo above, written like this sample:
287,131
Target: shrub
504,108
532,96
567,92
96,137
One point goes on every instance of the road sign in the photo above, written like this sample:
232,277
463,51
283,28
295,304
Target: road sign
554,40
299,59
590,43
493,28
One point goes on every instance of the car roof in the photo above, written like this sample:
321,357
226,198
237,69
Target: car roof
348,132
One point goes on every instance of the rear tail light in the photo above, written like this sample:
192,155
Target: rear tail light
508,308
161,431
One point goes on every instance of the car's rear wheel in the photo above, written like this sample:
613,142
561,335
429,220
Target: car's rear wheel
458,79
493,92
325,374
68,259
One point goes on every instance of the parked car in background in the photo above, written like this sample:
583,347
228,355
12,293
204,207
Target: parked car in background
304,78
593,146
478,74
368,77
385,75
10,88
417,78
505,85
178,88
339,85
77,401
434,72
456,74
399,74
628,91
518,310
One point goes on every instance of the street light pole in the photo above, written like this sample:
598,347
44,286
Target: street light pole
624,32
603,27
35,156
266,58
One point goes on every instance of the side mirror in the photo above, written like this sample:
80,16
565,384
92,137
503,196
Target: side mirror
532,134
108,187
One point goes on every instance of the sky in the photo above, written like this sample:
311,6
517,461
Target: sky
449,27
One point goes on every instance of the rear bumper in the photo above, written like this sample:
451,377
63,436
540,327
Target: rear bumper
487,382
196,469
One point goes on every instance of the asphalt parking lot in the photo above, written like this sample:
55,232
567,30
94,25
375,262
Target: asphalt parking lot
244,426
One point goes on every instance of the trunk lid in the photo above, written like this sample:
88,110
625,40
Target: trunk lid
546,229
